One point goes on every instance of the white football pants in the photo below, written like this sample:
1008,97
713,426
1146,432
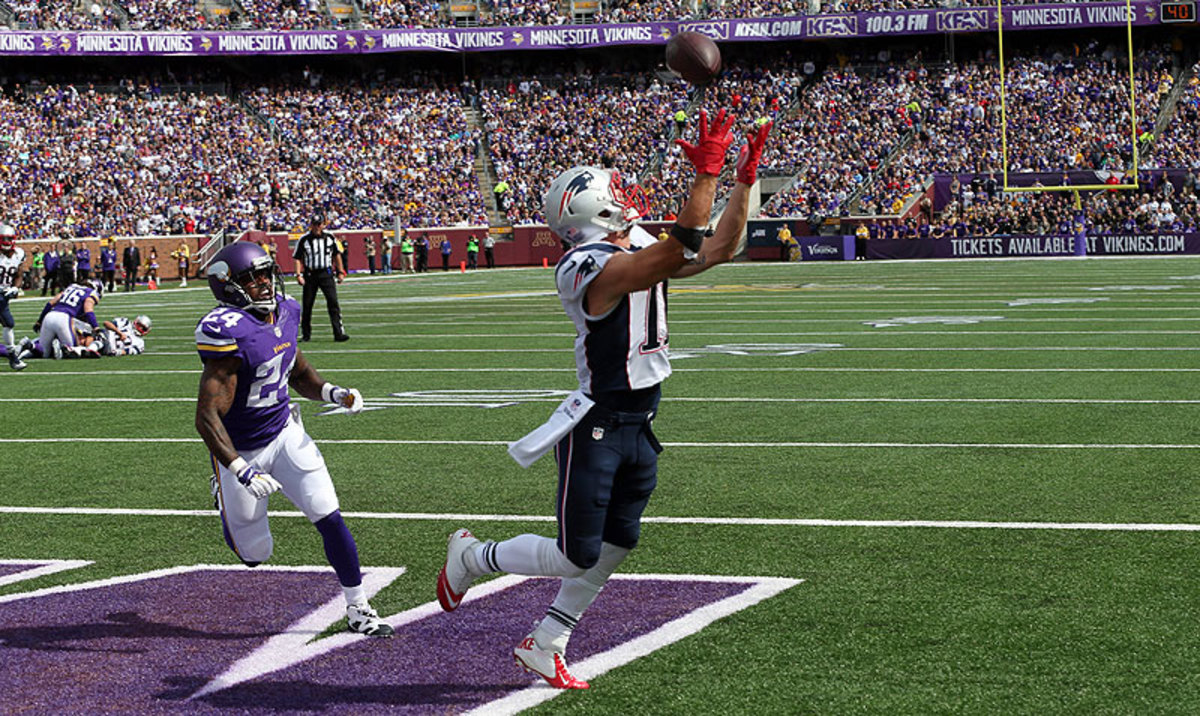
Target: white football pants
294,460
58,325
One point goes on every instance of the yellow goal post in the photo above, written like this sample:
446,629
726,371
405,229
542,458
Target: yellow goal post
1132,115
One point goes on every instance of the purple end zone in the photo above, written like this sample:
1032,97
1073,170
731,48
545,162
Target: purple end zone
146,646
136,647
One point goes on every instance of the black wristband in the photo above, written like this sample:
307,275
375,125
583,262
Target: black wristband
691,239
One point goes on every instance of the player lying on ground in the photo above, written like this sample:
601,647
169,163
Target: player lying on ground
613,287
249,346
118,337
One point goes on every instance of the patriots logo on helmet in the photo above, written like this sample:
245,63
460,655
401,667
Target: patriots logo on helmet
580,183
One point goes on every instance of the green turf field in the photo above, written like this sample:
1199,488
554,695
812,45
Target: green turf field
994,516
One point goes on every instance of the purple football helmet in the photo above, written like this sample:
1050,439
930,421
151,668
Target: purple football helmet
237,264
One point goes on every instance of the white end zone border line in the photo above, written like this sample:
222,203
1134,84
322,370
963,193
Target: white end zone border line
762,588
41,567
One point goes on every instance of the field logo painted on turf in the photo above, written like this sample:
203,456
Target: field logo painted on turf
1135,288
191,638
754,349
926,320
1052,301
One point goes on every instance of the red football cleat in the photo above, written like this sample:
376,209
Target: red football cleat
454,579
550,665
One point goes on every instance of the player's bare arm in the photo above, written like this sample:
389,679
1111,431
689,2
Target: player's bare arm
306,381
218,385
304,378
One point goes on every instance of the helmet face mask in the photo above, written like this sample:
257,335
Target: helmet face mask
97,287
236,277
8,238
585,204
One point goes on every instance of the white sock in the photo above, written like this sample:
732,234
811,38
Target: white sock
9,339
355,595
524,554
574,597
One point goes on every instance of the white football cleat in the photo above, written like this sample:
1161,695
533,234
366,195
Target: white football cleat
363,619
548,664
56,349
14,360
454,579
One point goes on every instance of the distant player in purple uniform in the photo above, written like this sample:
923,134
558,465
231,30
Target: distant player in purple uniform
57,337
612,284
249,346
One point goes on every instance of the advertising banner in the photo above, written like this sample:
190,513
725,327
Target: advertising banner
1026,246
557,37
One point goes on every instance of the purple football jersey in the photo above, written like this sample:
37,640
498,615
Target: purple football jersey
72,299
267,349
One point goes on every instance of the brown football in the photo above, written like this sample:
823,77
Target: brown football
694,57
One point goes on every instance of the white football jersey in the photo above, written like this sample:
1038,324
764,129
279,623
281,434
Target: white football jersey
10,268
626,348
135,345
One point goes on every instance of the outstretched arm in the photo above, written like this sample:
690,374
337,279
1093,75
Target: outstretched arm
720,247
625,273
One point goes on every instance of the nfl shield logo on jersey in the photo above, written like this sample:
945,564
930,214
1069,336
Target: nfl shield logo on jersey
597,433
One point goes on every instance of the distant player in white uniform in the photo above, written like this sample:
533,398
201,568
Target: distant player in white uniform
11,258
612,285
124,337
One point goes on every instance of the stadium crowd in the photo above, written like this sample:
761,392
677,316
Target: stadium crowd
536,130
398,147
136,159
1066,110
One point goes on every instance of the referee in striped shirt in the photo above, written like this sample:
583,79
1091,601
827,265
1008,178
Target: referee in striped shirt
319,265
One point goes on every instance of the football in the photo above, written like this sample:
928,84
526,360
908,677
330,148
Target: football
694,57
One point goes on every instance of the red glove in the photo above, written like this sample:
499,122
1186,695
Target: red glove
708,155
747,161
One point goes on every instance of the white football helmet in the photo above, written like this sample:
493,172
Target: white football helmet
585,204
142,324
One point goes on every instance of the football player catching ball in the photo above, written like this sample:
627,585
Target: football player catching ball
613,285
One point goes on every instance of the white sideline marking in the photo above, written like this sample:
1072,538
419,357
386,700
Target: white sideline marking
722,521
667,634
986,401
46,566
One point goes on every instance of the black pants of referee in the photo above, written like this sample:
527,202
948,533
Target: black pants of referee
325,281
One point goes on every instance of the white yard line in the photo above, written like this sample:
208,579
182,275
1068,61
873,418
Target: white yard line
558,397
719,521
475,370
830,349
749,445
